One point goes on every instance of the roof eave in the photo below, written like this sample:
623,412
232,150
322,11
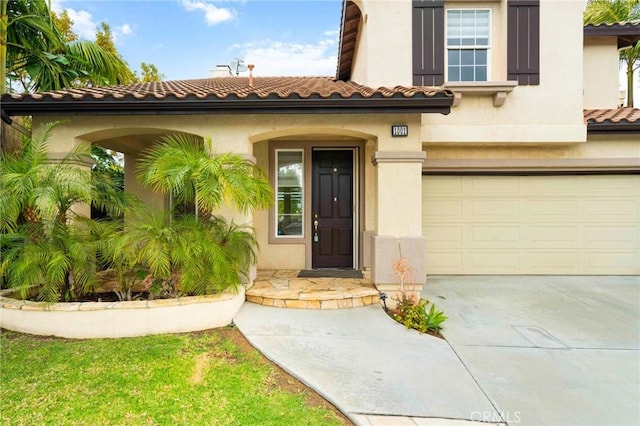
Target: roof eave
440,103
627,35
611,127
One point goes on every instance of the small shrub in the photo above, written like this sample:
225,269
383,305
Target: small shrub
412,312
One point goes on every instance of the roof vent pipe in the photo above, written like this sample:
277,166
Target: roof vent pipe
250,66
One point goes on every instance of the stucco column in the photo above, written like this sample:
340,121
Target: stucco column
399,215
59,148
155,200
238,144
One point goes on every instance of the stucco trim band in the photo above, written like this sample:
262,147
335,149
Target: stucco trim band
549,165
398,157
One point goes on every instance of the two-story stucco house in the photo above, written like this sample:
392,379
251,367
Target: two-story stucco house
472,137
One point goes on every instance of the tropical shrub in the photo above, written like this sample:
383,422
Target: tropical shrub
179,256
198,251
48,248
50,252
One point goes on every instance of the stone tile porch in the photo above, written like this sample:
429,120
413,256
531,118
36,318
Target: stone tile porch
283,289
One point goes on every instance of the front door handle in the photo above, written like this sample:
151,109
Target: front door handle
315,230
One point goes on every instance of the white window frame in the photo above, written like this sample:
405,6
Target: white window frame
487,47
303,195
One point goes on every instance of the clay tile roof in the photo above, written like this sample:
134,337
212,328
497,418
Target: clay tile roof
223,87
618,119
235,92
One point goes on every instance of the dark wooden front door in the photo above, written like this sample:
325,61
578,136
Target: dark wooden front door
332,215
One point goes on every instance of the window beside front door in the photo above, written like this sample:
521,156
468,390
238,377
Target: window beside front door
468,44
289,193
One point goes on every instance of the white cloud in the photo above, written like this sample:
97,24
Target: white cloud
83,24
121,32
213,15
125,29
276,58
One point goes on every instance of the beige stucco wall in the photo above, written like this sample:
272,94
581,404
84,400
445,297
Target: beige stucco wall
601,72
390,192
384,54
547,113
384,44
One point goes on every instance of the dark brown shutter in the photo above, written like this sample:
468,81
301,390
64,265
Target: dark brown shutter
428,42
523,45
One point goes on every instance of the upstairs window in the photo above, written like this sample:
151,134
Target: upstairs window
468,45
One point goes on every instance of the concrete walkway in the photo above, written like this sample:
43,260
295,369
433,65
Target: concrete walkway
524,350
370,367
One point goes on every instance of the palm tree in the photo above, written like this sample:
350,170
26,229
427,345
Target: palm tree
615,11
47,248
199,252
31,46
180,166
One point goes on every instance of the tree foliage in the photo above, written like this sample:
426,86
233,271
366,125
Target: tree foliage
39,56
150,73
40,52
618,11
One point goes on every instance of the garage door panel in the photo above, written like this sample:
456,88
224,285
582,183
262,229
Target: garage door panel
444,262
553,262
493,236
493,186
612,262
620,185
444,236
552,236
492,261
549,210
551,186
608,210
614,237
491,210
532,224
443,210
445,185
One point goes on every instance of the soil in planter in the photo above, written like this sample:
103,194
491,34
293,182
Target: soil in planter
110,297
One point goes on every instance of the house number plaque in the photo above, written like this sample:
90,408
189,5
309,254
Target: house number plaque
399,131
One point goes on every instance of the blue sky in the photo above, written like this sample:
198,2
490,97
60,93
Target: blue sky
187,38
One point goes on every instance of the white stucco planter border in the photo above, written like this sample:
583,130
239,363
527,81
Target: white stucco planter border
88,320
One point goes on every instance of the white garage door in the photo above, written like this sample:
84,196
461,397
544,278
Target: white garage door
532,224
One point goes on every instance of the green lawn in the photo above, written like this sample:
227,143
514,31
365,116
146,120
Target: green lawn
206,378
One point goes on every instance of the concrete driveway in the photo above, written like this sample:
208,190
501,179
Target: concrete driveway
547,350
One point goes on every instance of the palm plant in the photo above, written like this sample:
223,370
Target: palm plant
180,166
47,247
183,256
200,252
615,11
33,51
